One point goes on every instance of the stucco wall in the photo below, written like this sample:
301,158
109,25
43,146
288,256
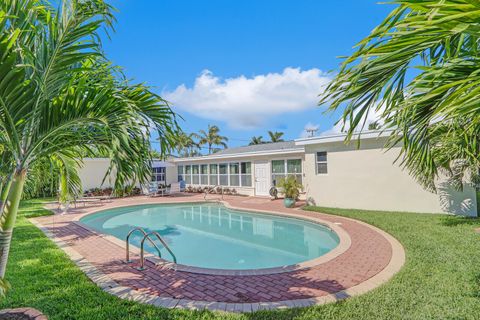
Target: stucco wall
93,171
368,179
171,174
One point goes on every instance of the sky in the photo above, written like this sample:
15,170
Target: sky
248,66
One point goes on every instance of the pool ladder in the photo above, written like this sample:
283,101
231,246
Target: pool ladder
146,236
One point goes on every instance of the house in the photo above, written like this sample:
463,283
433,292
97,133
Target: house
334,174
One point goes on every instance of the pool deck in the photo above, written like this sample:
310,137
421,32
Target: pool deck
366,258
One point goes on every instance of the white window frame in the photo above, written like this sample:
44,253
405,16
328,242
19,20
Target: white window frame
285,163
218,175
321,162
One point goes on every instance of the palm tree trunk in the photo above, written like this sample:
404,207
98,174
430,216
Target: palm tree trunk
4,193
9,214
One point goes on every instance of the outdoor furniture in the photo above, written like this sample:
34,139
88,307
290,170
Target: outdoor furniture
156,190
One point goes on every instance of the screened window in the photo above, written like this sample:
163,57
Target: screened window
204,174
195,176
234,174
294,168
180,173
188,174
158,174
322,162
246,174
223,174
278,171
283,168
213,174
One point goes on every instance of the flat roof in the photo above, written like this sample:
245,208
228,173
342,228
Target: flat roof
370,134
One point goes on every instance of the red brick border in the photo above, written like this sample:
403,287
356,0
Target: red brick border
372,257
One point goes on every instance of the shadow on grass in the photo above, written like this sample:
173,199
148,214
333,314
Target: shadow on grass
452,221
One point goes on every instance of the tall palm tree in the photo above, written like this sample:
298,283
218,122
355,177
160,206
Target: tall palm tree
212,138
419,70
256,140
276,136
60,98
186,145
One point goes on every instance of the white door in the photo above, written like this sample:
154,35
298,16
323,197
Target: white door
262,178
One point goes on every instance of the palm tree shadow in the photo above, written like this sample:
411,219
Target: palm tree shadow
453,221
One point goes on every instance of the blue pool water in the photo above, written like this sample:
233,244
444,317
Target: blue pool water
213,236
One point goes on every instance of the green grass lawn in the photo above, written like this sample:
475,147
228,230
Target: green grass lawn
440,280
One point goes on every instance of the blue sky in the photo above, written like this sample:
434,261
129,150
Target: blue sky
265,58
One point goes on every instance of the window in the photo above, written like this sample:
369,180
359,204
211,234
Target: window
234,174
322,162
278,171
246,174
294,168
188,174
180,173
213,174
195,177
223,174
283,168
158,174
204,174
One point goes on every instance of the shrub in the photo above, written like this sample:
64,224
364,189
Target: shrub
291,187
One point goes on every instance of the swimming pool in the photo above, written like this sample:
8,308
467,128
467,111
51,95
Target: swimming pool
210,235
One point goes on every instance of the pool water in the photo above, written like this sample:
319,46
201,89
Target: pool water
209,235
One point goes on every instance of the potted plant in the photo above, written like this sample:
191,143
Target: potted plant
291,190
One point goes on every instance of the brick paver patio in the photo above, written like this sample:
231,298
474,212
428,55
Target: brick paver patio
364,265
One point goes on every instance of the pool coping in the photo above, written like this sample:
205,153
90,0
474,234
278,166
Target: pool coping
397,260
343,245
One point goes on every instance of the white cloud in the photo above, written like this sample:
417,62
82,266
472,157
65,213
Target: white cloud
246,103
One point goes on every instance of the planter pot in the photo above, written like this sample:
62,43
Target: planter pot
289,202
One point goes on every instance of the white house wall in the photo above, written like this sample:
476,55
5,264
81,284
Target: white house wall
368,179
249,191
93,171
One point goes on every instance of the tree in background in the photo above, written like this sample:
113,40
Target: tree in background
275,136
374,125
62,100
419,70
256,140
186,146
212,137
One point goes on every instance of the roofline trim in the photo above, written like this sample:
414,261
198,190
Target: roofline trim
240,155
341,137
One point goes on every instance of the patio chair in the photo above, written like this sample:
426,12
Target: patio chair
156,190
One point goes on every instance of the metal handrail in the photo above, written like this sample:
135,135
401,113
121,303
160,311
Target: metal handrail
207,191
127,258
142,250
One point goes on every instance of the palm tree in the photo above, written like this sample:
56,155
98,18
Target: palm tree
186,145
61,99
212,138
275,136
374,125
256,140
433,111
